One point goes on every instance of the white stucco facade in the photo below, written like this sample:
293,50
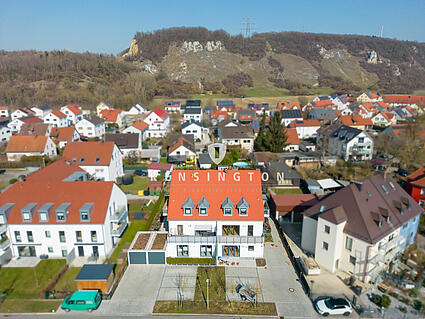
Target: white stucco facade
88,129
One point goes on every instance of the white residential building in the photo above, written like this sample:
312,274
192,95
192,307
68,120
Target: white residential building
159,122
21,113
56,119
102,160
289,116
361,228
195,128
240,136
91,127
306,128
59,219
154,170
202,222
5,133
73,113
350,144
103,106
140,127
137,109
193,113
4,111
41,111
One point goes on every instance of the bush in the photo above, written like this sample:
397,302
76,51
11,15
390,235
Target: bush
413,292
12,181
187,260
417,304
382,301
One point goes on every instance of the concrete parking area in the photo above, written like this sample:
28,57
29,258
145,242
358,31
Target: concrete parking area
14,173
137,291
178,280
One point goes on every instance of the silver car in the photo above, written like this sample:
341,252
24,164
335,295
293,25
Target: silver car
331,306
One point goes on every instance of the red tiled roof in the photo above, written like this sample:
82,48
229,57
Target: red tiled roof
153,185
26,144
30,119
159,166
74,108
110,115
370,107
388,116
359,120
161,113
4,107
140,125
218,114
322,103
234,184
91,153
418,177
75,193
56,171
62,133
404,99
292,136
59,114
289,105
289,201
304,123
346,120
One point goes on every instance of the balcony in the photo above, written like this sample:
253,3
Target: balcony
240,239
4,244
3,228
184,239
120,214
118,229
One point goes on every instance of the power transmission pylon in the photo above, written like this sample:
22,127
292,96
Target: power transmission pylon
247,27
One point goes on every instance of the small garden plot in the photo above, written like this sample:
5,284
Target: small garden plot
67,282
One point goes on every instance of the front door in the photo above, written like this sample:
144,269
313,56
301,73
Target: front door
95,251
26,251
81,251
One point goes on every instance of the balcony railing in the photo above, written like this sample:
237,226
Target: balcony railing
120,214
117,232
183,239
240,239
4,244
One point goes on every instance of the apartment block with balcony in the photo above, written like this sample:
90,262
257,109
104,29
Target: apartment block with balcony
63,218
362,227
350,144
211,213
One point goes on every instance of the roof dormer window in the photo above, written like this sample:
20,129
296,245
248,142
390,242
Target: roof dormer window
44,212
227,207
203,206
243,206
85,212
27,212
188,206
62,211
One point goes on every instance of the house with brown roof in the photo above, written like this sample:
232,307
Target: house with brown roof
292,142
16,124
128,143
140,127
19,146
60,170
416,186
63,135
289,207
115,116
182,151
102,160
237,136
73,112
361,228
35,129
154,170
4,111
369,97
215,214
64,219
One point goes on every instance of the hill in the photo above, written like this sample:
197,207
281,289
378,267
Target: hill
286,59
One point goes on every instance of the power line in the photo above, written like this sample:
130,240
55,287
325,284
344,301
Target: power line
247,27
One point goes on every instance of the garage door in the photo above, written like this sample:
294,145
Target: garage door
137,257
156,257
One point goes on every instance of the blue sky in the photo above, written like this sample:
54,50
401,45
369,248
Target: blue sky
108,26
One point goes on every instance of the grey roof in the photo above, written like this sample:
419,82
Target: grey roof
242,203
281,167
322,114
203,203
246,112
241,131
204,158
124,140
94,120
34,129
187,123
46,207
312,182
188,203
346,133
227,203
95,272
193,110
290,114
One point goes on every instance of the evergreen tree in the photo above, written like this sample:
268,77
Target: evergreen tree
276,135
260,141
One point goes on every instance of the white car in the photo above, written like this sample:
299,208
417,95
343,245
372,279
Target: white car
331,306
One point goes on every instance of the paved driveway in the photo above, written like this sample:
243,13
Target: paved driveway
178,279
247,276
137,291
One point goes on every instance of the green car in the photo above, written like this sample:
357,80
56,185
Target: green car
82,300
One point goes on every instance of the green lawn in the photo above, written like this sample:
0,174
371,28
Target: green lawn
22,305
216,297
211,96
135,226
67,282
163,160
267,91
280,191
139,183
21,283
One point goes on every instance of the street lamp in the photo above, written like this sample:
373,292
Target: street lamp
208,303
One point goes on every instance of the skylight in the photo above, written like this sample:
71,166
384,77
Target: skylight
384,188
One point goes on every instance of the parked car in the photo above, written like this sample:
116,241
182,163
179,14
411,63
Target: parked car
2,171
246,293
333,306
402,172
82,300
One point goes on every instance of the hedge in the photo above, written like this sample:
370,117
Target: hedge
187,260
52,283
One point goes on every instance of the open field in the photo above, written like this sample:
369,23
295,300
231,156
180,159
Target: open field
139,183
22,305
67,282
